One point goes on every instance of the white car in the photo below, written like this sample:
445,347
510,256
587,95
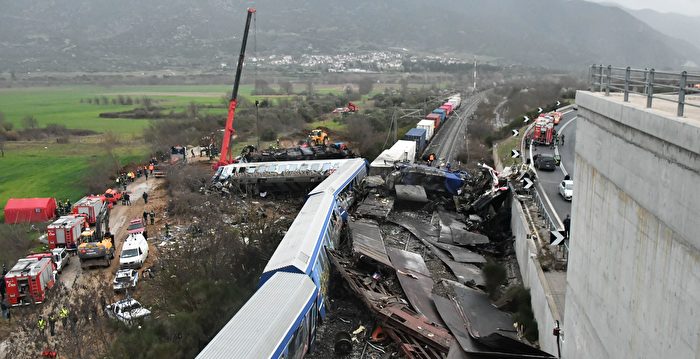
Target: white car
128,311
566,189
125,279
60,257
134,251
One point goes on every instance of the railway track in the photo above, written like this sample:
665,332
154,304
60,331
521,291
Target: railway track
448,138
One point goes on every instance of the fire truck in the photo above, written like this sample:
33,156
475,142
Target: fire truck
28,280
65,232
543,132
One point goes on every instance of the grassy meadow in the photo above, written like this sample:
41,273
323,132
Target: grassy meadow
46,168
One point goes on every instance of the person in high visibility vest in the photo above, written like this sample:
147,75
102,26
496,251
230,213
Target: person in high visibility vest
63,315
41,325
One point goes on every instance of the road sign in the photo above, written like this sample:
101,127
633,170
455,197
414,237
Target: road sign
539,110
515,133
558,103
528,183
526,118
556,237
515,153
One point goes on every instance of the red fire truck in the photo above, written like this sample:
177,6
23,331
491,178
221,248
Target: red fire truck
65,232
28,281
543,132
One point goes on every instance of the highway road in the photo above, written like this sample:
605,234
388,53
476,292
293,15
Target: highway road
548,182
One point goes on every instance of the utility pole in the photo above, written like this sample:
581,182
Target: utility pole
474,73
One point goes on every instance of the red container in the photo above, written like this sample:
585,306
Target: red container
435,118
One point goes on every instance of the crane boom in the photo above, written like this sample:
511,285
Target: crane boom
226,156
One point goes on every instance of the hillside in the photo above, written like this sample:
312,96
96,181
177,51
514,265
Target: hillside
100,35
675,25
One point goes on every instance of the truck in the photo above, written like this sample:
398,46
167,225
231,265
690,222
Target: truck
428,126
28,280
96,246
134,251
59,257
418,135
65,232
90,207
542,132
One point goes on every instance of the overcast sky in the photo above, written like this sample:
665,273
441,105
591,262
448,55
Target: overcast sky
685,7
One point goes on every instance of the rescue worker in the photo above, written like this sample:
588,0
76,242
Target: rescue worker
41,325
567,225
127,198
63,315
153,216
145,197
52,324
145,172
150,168
145,217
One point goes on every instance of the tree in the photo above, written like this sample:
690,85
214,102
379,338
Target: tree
30,122
309,88
365,85
287,87
2,146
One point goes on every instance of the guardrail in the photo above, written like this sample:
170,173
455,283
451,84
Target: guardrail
653,84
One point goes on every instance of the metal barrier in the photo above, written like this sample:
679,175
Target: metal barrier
653,84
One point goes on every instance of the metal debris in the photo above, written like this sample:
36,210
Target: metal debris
411,193
367,240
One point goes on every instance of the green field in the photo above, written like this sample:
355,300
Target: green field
30,170
46,168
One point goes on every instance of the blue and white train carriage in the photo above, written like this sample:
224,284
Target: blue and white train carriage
294,284
278,321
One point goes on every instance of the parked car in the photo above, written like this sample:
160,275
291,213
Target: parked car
134,251
545,162
125,279
128,311
60,257
136,225
566,189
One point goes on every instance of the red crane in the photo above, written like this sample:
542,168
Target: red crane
226,157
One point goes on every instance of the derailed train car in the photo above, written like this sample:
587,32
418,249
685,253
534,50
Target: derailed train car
280,319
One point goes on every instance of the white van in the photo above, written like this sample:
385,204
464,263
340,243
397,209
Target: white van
134,251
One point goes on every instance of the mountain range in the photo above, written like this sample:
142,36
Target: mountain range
101,35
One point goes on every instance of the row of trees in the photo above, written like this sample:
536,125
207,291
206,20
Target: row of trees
265,88
144,101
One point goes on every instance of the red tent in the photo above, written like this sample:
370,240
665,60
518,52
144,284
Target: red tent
26,210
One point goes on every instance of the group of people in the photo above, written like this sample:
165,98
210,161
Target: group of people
63,208
51,321
125,178
151,214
